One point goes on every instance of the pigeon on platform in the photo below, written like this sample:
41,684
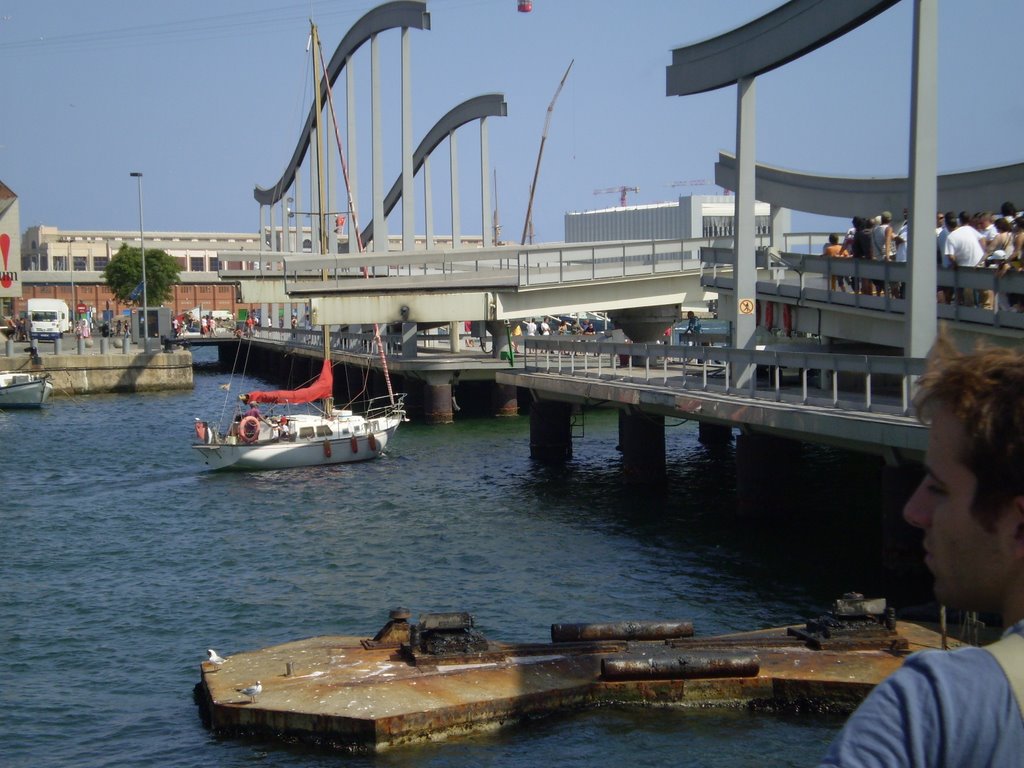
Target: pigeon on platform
213,657
252,691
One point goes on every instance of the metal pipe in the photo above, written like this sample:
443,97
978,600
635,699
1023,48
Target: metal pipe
621,630
685,667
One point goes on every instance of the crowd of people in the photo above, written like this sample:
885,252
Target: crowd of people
980,239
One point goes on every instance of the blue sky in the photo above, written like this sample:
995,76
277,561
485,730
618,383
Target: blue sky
207,99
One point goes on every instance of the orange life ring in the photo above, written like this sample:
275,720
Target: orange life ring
372,440
327,448
355,445
249,429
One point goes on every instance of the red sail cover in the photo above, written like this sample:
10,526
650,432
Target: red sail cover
320,389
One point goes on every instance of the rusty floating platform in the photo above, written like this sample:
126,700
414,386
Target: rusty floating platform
441,678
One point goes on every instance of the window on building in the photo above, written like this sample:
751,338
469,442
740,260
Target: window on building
81,263
214,264
99,263
197,263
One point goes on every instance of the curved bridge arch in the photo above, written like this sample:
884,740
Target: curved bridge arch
476,108
768,42
399,14
845,196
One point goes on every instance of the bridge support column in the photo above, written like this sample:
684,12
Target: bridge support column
642,441
437,400
505,400
499,339
646,323
550,431
409,340
903,569
713,434
766,469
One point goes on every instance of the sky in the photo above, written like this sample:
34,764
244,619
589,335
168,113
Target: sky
207,98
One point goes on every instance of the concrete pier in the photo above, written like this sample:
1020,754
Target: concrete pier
505,399
437,403
642,441
550,431
92,371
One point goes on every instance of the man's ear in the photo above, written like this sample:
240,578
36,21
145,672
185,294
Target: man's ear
1017,514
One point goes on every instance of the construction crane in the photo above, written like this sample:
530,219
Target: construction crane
528,224
621,192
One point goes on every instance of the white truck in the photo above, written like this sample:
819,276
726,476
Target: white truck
48,318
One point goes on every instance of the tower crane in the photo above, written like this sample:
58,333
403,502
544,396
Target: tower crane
621,192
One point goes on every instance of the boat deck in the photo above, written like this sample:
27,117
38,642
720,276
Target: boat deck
346,693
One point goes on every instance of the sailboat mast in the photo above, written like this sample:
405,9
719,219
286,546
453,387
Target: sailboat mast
320,154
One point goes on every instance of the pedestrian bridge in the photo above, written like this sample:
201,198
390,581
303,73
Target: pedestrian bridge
440,287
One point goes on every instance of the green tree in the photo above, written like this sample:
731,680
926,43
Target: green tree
123,275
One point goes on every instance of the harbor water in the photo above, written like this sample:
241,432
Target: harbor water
124,560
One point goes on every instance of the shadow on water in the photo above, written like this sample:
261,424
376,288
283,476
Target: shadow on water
829,542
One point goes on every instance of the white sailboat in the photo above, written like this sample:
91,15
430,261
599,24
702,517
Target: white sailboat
22,389
329,436
288,440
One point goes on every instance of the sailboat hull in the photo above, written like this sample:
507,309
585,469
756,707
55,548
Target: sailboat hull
311,441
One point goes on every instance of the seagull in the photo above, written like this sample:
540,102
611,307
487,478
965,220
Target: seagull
251,691
213,657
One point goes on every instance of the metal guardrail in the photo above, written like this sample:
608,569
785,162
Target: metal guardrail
529,265
822,269
710,369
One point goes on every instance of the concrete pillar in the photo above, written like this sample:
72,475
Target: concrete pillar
454,336
409,331
550,431
767,468
713,434
437,403
903,568
9,347
499,339
642,441
505,400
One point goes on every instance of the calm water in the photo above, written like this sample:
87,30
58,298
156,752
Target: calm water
123,561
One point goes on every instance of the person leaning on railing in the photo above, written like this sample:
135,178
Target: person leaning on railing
835,250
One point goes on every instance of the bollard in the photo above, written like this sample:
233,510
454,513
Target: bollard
57,345
81,345
104,345
126,347
9,347
289,669
691,666
621,630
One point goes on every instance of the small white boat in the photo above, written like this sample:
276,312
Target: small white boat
22,389
288,440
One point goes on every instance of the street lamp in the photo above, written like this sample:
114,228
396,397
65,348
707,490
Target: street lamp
71,270
142,248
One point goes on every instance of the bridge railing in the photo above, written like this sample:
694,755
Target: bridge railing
526,265
870,383
814,274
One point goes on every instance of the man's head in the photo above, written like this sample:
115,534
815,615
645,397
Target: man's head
971,501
